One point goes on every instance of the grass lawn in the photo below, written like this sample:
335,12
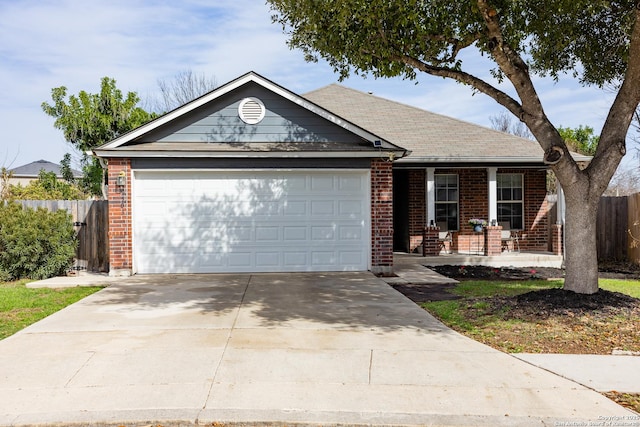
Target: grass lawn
492,313
482,314
21,306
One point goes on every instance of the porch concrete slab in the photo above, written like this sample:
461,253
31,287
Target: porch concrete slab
197,349
506,259
599,372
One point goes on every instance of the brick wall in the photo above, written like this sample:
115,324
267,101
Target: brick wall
474,203
417,211
493,240
431,244
120,244
381,217
535,235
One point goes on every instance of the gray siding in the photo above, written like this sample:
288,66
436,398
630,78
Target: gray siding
284,121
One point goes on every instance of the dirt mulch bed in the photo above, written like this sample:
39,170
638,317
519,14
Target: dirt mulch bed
557,302
547,302
480,272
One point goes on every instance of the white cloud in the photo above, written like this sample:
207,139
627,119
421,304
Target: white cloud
49,43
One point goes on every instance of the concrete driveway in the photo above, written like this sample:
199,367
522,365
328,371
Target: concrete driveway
308,348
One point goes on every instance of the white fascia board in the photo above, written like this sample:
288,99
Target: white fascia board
483,160
242,154
479,160
234,84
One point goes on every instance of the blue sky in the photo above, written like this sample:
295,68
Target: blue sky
51,43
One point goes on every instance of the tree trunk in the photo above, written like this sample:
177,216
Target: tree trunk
581,257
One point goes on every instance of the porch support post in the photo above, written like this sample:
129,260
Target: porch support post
493,193
431,196
557,229
560,204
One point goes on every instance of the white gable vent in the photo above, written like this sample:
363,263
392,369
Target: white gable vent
251,110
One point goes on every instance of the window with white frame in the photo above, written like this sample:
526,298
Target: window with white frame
511,199
446,200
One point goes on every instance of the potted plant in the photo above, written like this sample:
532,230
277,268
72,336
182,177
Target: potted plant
477,224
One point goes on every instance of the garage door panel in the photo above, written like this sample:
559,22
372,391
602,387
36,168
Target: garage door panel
322,183
322,208
241,222
294,234
350,184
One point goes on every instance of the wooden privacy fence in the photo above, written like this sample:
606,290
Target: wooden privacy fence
91,221
612,228
634,227
617,227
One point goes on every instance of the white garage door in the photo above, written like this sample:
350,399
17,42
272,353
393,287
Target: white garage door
206,222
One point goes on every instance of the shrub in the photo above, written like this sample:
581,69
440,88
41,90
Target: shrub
46,187
34,244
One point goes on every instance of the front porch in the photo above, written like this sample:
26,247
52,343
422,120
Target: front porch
433,209
506,259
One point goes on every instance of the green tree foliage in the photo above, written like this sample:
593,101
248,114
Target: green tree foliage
65,169
581,139
34,244
597,42
90,120
46,187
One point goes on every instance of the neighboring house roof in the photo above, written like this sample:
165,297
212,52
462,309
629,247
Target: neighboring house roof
431,138
209,126
32,170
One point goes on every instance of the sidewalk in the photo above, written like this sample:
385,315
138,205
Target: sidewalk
599,372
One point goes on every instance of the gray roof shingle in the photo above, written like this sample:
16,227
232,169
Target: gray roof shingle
31,170
430,137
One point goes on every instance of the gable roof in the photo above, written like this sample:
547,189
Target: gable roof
32,170
133,143
431,138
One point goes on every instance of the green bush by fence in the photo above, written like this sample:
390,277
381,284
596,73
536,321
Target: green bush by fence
34,243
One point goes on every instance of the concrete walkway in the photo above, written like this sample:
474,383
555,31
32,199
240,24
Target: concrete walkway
287,348
599,372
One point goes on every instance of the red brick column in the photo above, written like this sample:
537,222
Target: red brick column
492,240
556,239
430,244
417,211
120,244
381,217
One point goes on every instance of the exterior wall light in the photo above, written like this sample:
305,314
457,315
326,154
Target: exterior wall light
121,180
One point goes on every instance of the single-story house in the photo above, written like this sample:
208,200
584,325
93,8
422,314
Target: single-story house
252,177
24,174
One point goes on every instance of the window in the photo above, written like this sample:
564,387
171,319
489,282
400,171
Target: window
510,199
447,200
